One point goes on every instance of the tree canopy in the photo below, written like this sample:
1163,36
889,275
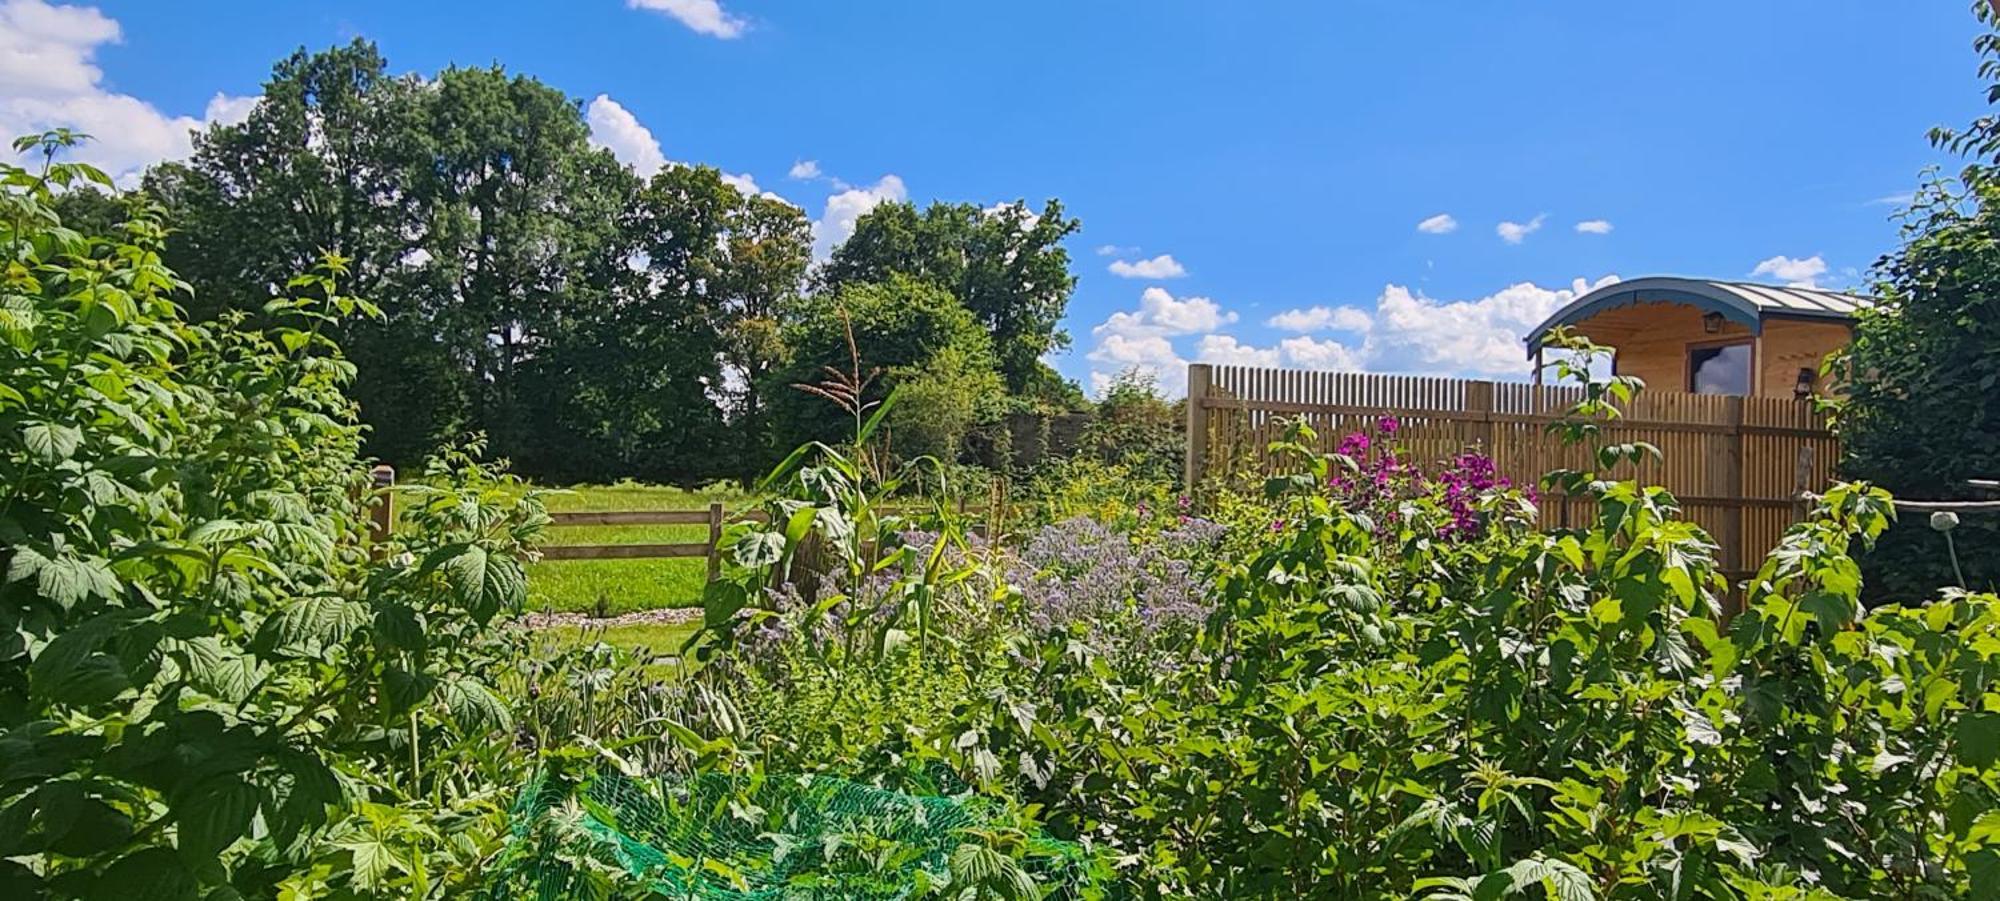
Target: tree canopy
591,323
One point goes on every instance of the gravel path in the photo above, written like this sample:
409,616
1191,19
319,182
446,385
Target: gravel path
666,617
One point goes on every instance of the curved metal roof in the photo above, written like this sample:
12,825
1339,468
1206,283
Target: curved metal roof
1744,302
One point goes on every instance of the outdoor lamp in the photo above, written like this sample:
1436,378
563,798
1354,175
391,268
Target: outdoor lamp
1711,322
1804,388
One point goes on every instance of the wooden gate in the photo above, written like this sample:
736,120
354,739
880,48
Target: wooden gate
1738,465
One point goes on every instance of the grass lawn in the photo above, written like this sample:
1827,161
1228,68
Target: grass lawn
611,587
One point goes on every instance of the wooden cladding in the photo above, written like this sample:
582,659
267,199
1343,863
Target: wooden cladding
1738,465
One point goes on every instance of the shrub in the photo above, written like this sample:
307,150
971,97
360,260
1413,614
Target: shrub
211,681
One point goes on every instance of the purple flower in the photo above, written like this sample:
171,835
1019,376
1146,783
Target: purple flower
1387,425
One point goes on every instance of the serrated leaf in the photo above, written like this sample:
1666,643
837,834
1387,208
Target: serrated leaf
51,442
68,581
309,626
474,707
213,814
1979,739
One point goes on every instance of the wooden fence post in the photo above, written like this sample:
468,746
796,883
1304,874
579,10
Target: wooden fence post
714,540
1479,401
1197,427
1732,482
382,517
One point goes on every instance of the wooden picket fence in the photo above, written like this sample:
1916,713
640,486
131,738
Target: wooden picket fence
1740,466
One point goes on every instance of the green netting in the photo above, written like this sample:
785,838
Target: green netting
722,837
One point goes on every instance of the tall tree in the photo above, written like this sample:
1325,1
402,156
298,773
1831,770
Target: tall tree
1005,263
1923,373
471,205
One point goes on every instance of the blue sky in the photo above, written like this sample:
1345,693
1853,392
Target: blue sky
1281,154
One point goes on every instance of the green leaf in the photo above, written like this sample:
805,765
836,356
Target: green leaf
68,580
51,442
1979,739
474,707
486,583
309,626
150,874
213,814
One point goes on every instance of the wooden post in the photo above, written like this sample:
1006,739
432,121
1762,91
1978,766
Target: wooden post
1802,485
1479,401
1731,471
1197,427
714,540
382,516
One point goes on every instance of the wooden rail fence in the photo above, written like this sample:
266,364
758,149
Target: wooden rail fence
1738,465
715,517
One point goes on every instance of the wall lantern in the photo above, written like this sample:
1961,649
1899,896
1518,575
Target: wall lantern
1711,322
1804,388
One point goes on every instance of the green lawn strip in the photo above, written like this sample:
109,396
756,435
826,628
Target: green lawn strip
634,496
612,587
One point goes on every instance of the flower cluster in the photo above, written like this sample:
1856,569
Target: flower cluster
1080,574
1385,482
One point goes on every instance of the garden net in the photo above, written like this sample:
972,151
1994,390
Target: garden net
723,837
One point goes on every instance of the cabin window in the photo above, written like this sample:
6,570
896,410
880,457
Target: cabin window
1719,368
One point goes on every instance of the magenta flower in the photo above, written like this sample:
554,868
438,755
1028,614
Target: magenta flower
1388,425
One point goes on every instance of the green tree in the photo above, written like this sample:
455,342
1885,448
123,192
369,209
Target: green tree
643,384
903,329
1006,264
1923,373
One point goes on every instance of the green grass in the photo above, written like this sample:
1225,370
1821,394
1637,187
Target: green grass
611,587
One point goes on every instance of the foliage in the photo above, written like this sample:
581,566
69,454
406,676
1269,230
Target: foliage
1004,264
1452,704
594,323
943,400
882,336
1112,493
1134,426
210,677
1923,372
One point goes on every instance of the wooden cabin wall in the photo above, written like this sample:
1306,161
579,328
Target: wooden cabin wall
1653,338
1794,344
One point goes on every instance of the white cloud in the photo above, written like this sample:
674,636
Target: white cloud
1479,338
805,170
1154,355
1162,266
1799,273
1161,313
614,128
1516,232
1405,332
49,79
1317,318
1112,250
1903,199
1225,350
1306,353
1594,227
1440,224
704,16
846,208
